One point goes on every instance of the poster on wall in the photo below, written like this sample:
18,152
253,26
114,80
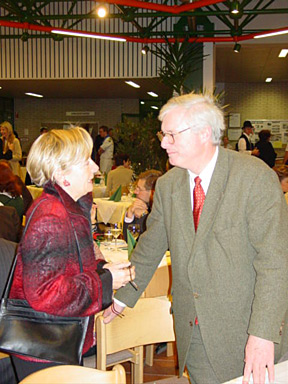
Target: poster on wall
278,129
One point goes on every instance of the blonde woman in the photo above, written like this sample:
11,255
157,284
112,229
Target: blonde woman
48,273
10,148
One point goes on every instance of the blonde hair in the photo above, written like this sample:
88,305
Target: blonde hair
58,149
202,110
8,126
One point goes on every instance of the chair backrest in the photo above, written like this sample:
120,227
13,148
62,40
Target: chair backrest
149,322
7,253
73,374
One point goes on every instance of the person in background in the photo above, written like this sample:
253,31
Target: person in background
26,195
226,142
224,219
47,273
10,224
43,130
138,212
106,150
10,147
266,150
244,144
285,160
11,190
282,172
121,175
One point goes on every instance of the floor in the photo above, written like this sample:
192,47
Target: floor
163,368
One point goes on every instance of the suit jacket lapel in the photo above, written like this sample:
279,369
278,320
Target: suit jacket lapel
214,195
181,200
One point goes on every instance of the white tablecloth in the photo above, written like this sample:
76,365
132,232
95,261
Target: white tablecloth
281,375
111,212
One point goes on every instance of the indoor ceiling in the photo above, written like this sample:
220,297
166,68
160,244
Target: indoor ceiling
204,20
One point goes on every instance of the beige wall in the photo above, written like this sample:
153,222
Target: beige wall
33,113
257,100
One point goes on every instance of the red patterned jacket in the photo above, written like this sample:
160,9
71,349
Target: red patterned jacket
48,274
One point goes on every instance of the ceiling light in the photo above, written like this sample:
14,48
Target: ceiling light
153,94
33,94
102,11
0,87
142,102
271,34
80,34
283,53
268,80
237,48
154,107
132,84
145,50
234,8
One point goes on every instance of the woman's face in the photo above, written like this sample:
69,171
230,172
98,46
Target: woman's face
4,132
80,178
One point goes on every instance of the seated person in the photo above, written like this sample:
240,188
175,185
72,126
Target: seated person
266,150
10,190
282,172
10,225
121,175
138,212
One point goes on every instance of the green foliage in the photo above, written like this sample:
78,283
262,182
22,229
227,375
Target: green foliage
181,59
140,142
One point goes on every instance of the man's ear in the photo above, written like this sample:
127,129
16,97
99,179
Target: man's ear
205,134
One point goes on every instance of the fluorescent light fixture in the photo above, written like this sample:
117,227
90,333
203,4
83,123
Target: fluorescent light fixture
80,34
154,107
283,53
132,84
271,34
153,94
268,80
142,102
33,94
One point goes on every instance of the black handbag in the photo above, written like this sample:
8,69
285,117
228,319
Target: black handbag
25,331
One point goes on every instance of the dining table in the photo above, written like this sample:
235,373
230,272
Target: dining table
109,211
160,284
99,190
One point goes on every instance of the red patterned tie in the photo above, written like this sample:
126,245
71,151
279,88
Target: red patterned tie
198,201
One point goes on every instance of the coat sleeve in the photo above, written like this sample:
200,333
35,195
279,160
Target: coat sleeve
267,227
52,281
17,151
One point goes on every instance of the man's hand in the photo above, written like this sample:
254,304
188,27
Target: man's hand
259,354
137,208
111,312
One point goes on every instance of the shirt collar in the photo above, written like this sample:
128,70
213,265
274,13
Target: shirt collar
206,174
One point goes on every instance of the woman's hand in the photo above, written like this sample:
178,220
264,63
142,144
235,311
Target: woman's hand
122,273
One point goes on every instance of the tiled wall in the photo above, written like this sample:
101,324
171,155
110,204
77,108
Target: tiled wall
257,100
31,114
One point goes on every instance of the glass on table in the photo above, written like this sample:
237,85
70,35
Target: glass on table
108,236
116,232
134,229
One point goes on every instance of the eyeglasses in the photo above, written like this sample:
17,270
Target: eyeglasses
170,136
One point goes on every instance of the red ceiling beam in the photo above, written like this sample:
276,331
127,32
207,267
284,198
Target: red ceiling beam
217,39
174,9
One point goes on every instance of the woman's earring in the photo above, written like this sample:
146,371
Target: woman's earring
66,183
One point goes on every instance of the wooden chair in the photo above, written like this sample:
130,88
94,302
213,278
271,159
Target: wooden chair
149,322
73,374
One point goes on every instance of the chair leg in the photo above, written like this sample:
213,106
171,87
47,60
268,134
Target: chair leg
170,349
149,355
138,368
